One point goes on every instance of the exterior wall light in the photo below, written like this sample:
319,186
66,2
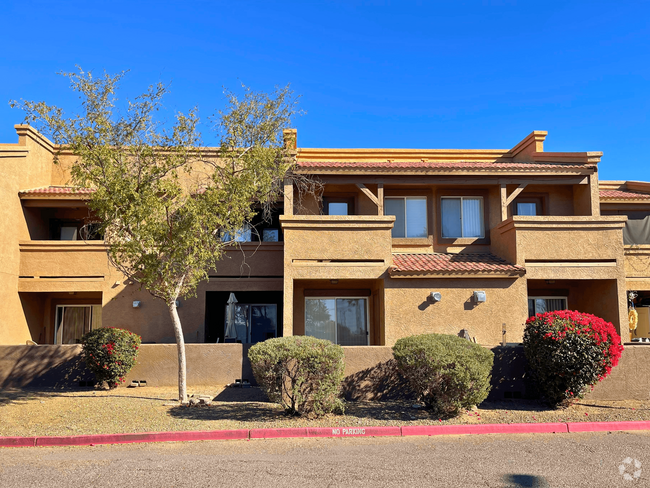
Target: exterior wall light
434,297
136,304
178,303
479,296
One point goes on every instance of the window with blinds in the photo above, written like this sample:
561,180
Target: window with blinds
545,304
462,217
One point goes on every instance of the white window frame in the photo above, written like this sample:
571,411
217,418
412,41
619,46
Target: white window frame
336,313
426,216
63,305
481,213
565,298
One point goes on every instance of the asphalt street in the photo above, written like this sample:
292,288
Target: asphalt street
540,460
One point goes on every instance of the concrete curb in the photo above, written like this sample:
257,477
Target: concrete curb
313,432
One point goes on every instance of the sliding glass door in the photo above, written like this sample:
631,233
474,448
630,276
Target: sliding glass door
342,321
253,323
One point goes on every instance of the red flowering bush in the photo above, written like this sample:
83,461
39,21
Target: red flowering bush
570,352
110,354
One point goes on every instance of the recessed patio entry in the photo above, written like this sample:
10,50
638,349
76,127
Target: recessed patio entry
341,320
257,316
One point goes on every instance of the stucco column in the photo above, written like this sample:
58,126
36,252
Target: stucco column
621,290
287,313
288,197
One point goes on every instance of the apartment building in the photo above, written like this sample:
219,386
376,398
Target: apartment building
401,242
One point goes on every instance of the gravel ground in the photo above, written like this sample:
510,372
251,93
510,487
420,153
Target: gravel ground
76,412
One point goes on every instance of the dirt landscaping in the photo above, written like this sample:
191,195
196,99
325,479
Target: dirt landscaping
126,410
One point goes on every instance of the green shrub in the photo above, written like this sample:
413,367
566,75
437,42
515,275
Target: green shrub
301,373
569,352
447,372
110,354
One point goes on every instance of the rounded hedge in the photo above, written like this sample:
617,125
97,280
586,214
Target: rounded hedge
446,371
569,352
302,373
110,354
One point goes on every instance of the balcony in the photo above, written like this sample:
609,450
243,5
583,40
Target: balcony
637,266
333,247
562,247
62,265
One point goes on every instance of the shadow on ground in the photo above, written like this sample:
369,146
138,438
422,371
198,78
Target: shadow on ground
9,396
252,404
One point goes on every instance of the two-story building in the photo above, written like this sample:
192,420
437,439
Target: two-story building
401,242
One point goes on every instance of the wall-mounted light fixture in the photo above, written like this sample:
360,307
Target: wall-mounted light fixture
479,296
434,297
178,303
136,303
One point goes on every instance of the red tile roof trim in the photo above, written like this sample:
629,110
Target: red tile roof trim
453,264
57,190
424,165
623,195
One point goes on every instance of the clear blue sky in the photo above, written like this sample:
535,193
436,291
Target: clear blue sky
440,74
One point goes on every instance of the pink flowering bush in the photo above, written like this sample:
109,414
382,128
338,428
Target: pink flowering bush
570,352
110,354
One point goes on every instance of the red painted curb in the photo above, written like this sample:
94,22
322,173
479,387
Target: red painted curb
410,430
608,426
17,441
86,440
464,429
277,433
353,431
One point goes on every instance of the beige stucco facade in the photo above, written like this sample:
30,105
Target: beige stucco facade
566,250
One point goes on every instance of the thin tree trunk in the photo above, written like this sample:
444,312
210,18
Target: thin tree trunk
180,345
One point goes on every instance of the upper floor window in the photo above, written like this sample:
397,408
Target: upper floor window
526,208
260,229
462,217
338,205
529,205
410,216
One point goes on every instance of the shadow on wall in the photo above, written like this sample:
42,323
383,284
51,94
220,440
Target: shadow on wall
42,366
380,382
384,382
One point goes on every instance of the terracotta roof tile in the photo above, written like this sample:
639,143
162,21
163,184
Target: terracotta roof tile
623,195
453,263
441,165
57,190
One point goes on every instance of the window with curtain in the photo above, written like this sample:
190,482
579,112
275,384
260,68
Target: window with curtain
73,321
462,217
342,321
410,216
545,304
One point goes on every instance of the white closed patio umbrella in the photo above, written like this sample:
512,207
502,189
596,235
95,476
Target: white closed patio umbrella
231,333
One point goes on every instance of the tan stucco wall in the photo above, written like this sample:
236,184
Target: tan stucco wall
157,364
637,267
41,366
78,267
207,364
409,313
559,238
218,364
27,164
360,247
